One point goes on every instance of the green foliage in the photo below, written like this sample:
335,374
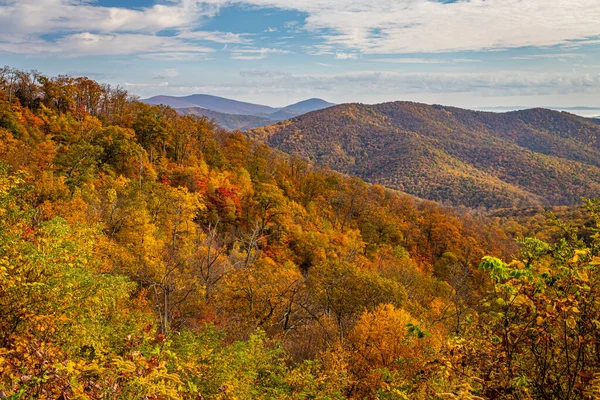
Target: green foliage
536,333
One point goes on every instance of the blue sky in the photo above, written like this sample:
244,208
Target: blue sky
470,53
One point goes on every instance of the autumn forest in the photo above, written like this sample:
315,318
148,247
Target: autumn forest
149,254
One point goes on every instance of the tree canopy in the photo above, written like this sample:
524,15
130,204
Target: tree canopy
147,254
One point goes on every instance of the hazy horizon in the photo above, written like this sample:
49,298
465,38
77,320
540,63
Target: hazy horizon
584,111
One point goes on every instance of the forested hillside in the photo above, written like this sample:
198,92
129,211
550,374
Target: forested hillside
145,254
450,155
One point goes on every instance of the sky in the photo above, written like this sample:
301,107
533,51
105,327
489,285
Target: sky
467,53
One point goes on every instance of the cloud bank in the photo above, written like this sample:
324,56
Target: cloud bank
376,27
428,26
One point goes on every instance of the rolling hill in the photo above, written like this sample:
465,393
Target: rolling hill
300,108
233,114
213,103
451,155
230,122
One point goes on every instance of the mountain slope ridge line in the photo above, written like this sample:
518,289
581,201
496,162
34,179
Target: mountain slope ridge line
452,155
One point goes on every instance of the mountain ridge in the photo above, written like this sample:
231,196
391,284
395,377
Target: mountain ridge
232,114
452,155
231,106
213,103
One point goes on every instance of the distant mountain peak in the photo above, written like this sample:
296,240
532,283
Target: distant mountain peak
302,107
230,113
213,103
313,100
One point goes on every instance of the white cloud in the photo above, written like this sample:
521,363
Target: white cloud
43,16
346,56
425,26
347,27
465,60
216,37
261,73
81,27
92,44
26,44
549,55
425,60
146,85
410,60
255,53
174,56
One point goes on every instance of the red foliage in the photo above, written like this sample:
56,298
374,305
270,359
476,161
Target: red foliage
225,202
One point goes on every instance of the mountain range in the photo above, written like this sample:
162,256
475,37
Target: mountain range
451,155
518,108
232,114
